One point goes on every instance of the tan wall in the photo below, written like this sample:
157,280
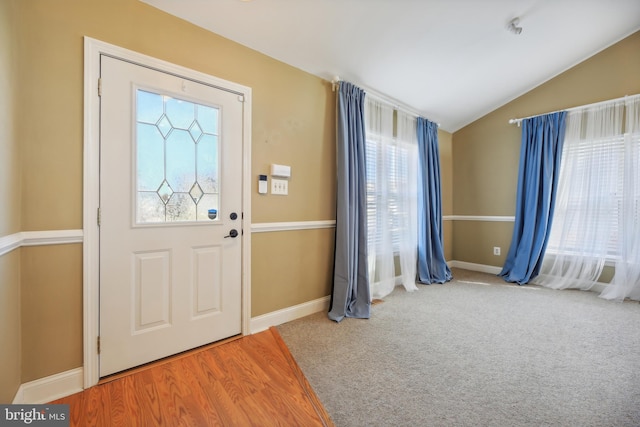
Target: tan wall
294,259
10,346
446,177
10,331
293,124
486,152
51,310
9,148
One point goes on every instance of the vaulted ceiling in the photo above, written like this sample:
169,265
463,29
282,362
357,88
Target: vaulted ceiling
452,61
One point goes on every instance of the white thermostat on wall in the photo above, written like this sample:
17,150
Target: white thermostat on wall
280,171
262,184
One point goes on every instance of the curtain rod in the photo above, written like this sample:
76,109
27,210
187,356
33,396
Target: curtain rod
518,121
394,103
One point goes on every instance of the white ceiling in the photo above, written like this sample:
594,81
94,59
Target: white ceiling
452,61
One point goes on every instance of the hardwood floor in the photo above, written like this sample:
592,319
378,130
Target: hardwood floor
251,381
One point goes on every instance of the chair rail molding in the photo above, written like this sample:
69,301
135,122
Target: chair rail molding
268,227
39,238
487,218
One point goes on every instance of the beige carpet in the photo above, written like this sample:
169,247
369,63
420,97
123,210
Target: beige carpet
476,352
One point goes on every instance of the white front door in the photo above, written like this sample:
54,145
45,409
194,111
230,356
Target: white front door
170,208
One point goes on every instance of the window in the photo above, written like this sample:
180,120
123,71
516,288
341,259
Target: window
391,166
389,163
597,216
593,205
176,159
593,193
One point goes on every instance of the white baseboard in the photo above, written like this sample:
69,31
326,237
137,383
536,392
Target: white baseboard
275,318
598,287
483,268
50,388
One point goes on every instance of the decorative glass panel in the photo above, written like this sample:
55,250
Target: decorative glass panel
195,131
165,192
208,119
180,113
164,125
196,193
181,160
150,207
208,163
150,155
181,208
150,107
177,160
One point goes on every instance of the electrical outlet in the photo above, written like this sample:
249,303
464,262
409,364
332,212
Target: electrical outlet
496,250
279,187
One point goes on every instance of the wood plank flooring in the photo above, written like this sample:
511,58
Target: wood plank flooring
251,381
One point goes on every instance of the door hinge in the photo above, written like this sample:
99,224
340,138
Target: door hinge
98,344
98,217
241,98
100,86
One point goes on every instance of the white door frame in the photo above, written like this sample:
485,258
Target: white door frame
91,192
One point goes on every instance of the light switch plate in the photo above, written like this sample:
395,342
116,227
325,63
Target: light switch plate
279,187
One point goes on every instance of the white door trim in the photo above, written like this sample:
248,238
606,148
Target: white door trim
91,259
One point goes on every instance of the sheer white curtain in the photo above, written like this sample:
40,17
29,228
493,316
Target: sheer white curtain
391,197
626,281
407,146
597,208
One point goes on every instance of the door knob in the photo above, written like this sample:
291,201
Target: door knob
233,233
